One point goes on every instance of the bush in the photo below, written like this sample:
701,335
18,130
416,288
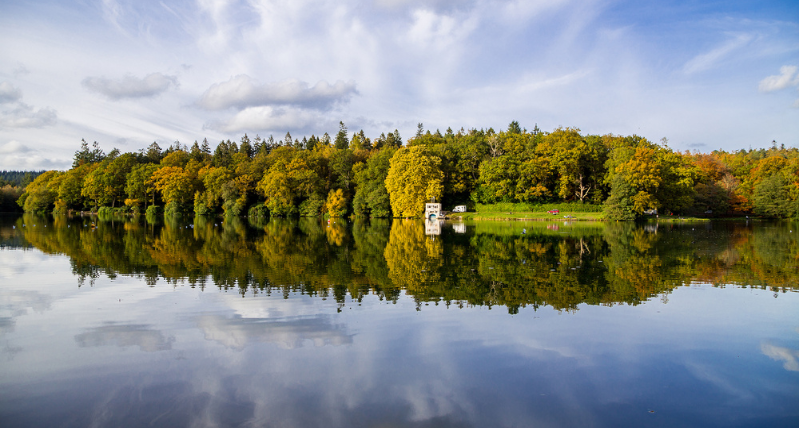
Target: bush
200,208
233,208
174,209
153,210
60,207
312,207
258,211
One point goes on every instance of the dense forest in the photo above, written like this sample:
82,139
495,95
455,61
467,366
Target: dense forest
18,178
12,185
386,177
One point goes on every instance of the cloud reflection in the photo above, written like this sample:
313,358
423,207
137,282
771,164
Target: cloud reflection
147,339
290,333
15,303
789,357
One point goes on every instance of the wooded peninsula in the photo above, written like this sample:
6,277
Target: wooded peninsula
624,177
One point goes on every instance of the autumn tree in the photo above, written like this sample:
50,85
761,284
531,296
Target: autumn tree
413,178
140,187
176,186
40,195
337,203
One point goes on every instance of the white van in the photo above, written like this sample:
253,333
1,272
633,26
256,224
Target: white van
459,209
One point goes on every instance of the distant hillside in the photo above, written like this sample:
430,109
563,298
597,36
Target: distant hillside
18,178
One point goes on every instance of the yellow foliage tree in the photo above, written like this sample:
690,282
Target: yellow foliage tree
414,176
336,203
175,184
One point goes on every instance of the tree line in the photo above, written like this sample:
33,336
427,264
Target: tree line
387,177
12,185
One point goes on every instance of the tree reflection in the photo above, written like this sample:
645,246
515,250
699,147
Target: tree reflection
492,264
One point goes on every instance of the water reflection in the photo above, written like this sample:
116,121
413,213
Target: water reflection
487,264
789,356
237,332
141,336
247,331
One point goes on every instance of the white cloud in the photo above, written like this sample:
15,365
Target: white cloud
439,5
789,357
24,116
130,86
242,91
9,93
267,118
12,147
786,78
32,161
709,59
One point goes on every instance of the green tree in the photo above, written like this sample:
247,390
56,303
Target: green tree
41,194
771,197
371,197
86,155
342,142
153,153
140,186
245,147
69,192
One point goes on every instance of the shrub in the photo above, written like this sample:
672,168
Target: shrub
233,208
312,207
174,209
258,211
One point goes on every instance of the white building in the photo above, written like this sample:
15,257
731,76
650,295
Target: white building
432,211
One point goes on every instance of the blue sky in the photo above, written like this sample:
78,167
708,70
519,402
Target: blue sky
704,75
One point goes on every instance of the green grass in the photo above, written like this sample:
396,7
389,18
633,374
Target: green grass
521,211
676,219
523,207
528,215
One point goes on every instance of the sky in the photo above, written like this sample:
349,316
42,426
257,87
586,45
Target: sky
704,75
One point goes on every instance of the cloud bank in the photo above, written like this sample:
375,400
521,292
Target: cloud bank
242,91
130,87
9,93
13,147
24,116
271,118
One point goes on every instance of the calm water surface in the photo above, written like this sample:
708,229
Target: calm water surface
296,323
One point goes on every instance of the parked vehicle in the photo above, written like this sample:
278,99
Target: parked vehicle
553,212
459,209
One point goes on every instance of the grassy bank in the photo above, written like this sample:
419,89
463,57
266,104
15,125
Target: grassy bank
529,215
508,211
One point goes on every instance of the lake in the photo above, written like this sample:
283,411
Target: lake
121,322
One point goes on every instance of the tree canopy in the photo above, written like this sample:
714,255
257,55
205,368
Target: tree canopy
386,177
